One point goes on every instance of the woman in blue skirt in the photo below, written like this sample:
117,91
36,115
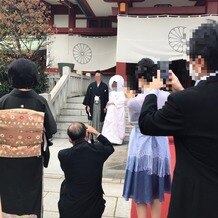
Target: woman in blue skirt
148,163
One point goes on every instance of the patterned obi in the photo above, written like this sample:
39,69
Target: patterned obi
21,133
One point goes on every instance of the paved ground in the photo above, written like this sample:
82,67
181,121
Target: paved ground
113,175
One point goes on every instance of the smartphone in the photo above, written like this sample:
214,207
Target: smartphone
163,66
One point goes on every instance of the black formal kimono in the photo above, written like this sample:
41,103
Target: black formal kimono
92,91
21,173
81,194
191,116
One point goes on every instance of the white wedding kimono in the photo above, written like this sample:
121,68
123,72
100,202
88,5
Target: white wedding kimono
114,123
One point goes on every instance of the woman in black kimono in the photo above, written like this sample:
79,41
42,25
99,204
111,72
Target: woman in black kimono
21,172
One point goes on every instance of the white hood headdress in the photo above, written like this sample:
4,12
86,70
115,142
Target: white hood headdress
119,80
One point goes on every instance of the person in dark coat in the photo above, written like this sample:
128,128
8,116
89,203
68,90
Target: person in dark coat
191,116
81,194
22,114
95,100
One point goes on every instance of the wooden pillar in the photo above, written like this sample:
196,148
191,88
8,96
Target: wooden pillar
212,7
71,18
121,69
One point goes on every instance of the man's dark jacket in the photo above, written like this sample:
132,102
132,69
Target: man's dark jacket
92,91
81,193
191,116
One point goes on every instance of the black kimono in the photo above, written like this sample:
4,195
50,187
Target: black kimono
92,91
81,193
21,177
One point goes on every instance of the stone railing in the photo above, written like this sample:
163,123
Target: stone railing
69,85
52,81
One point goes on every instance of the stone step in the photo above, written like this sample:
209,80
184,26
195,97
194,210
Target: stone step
64,125
78,100
74,106
77,110
73,112
69,119
78,105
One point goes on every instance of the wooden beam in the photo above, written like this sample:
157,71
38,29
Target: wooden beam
110,71
200,3
84,5
61,9
72,17
113,18
65,3
212,7
87,31
188,10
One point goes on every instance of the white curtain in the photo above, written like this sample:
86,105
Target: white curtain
87,53
159,38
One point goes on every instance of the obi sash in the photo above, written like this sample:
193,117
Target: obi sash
21,133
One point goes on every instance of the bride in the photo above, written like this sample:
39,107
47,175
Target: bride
114,123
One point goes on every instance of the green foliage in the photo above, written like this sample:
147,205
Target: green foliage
4,87
24,25
42,85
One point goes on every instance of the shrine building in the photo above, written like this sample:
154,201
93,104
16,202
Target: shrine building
113,35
